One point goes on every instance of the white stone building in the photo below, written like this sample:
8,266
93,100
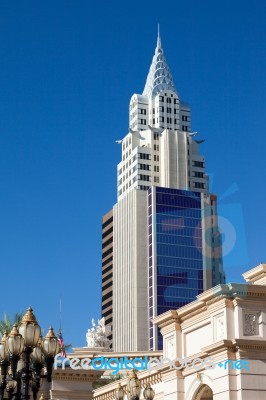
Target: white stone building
215,346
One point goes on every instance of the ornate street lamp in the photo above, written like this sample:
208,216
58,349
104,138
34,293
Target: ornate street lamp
119,392
134,389
148,392
25,353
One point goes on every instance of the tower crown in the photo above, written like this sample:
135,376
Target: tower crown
159,77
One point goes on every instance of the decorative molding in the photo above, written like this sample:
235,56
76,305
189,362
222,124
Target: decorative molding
251,322
170,347
219,327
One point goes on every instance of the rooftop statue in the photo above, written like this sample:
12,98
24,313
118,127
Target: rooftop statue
97,335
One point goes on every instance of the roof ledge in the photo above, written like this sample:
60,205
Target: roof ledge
257,275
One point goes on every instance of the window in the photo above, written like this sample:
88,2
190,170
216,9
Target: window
161,119
143,187
156,168
144,167
168,100
176,121
161,98
169,109
184,128
143,121
176,101
199,185
144,156
198,164
184,118
143,111
156,179
144,177
161,108
156,158
198,174
169,120
175,111
156,147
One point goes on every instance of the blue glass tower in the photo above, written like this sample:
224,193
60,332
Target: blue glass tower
175,251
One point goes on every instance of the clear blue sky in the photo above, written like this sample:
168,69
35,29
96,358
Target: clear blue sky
68,70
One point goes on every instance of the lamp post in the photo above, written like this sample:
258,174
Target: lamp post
24,353
134,389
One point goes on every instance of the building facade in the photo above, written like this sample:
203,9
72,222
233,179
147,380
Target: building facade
214,348
166,245
107,270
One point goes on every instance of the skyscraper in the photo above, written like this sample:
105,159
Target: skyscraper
164,242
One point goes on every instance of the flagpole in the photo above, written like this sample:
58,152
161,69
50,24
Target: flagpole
60,315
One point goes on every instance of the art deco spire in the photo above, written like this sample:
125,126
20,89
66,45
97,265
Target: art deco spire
159,77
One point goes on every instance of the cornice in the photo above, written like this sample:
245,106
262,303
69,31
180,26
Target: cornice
249,302
79,375
249,344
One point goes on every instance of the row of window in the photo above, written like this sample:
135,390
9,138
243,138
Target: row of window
108,222
107,242
107,286
179,240
168,109
107,277
127,154
198,164
142,121
126,143
144,177
166,272
175,212
106,262
106,305
143,156
177,201
168,100
184,288
177,262
142,187
178,192
179,251
106,233
199,185
171,229
107,295
198,174
168,120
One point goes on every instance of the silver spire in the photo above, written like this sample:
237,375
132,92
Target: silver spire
159,77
